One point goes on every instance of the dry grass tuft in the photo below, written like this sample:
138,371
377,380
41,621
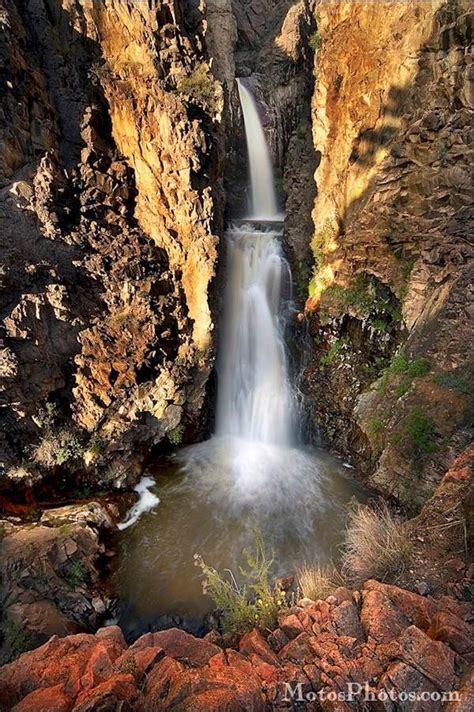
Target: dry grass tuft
377,545
318,581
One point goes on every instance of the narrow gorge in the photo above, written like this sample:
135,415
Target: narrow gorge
236,355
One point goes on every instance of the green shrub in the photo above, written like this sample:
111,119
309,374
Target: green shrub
255,603
96,445
175,436
375,429
201,86
68,447
16,639
417,433
315,41
76,575
454,380
365,296
402,366
333,352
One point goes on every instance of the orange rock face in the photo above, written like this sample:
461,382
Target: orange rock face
403,642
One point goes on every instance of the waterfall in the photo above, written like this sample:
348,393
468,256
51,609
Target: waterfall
264,204
253,450
255,401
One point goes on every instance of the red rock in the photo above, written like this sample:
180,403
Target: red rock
298,650
232,658
59,661
159,681
453,631
465,703
345,620
99,667
417,609
291,626
179,645
254,643
186,687
403,678
219,701
45,699
431,658
139,662
277,639
107,696
380,619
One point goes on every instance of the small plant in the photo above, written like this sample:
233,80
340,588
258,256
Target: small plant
333,352
76,575
47,416
409,369
417,433
16,639
318,581
375,430
68,447
175,436
454,380
377,545
96,445
254,604
315,41
201,86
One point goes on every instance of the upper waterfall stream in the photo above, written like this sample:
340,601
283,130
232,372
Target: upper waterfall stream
253,473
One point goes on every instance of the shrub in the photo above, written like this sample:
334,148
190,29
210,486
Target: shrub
409,369
374,430
255,603
377,545
201,86
333,352
454,380
16,639
76,575
318,581
68,447
315,41
175,436
418,432
96,445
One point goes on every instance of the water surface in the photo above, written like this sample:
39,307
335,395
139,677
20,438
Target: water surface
300,518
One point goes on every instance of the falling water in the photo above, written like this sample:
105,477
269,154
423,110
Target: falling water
264,204
253,450
255,400
252,473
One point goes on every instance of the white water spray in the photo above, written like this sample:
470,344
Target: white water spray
264,203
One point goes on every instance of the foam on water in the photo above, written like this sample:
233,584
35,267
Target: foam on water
146,501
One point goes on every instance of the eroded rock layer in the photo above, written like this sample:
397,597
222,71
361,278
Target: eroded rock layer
391,298
110,202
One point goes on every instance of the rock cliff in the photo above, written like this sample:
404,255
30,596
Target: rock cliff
111,206
390,298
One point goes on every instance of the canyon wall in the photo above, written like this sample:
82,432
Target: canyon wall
389,304
111,204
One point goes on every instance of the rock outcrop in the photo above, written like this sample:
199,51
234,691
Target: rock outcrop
111,206
50,580
381,641
391,117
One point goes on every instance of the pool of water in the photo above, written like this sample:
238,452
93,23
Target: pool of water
298,507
